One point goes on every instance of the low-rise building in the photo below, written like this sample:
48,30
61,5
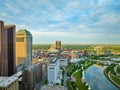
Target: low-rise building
27,79
52,87
9,83
74,54
102,50
63,62
85,52
53,48
38,71
107,52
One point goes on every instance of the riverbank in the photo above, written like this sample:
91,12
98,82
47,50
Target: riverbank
96,79
114,79
78,75
78,83
75,71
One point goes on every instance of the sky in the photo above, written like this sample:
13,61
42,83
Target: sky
71,21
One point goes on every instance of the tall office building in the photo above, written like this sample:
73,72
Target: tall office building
10,29
58,44
56,47
7,49
23,47
3,51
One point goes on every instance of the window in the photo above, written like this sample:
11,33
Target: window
19,39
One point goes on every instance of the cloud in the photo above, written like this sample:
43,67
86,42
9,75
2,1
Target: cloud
87,21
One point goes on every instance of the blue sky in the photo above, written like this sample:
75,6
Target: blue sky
71,21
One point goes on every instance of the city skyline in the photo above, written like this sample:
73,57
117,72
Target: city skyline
73,22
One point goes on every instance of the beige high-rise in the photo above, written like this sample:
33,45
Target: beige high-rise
23,47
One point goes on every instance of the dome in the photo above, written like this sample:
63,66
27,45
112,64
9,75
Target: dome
23,32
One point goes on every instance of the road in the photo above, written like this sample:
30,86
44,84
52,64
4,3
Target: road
65,79
42,81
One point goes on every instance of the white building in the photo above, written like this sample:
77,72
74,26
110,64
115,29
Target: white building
43,69
53,72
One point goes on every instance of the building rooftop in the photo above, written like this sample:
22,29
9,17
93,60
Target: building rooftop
54,60
51,87
18,74
62,59
6,81
5,26
23,32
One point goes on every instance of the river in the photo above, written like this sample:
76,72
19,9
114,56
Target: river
97,81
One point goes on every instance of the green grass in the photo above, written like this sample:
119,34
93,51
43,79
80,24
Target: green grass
41,46
68,69
115,79
108,69
77,75
69,85
78,47
78,82
118,69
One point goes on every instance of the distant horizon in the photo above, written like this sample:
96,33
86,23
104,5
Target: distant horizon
78,21
71,44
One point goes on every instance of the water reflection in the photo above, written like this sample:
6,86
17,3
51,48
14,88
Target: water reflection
96,79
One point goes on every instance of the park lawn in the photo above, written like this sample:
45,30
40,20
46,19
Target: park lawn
69,85
118,69
41,46
109,68
69,67
115,79
78,82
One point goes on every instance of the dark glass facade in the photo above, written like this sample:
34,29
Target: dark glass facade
7,50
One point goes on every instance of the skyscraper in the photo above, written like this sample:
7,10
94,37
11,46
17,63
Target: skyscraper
58,44
7,49
3,51
11,49
23,47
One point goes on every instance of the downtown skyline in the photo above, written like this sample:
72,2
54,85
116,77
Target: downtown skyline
71,21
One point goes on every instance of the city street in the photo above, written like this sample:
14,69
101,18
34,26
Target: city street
42,81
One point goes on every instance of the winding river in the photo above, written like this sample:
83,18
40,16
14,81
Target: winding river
97,81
